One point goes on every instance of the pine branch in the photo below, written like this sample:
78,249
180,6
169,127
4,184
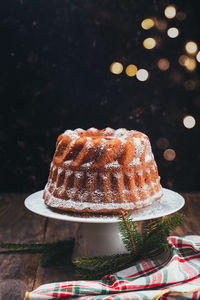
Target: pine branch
56,253
98,272
26,247
131,238
99,261
34,246
165,224
172,222
156,234
150,225
51,253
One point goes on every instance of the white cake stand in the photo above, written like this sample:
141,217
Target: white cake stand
99,235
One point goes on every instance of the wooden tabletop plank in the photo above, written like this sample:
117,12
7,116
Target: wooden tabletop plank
18,225
57,231
191,211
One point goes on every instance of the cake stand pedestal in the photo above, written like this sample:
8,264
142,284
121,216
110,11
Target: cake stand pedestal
99,235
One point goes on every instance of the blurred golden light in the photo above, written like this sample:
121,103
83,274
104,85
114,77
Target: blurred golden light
170,12
131,70
189,121
116,68
173,32
169,154
147,24
161,24
149,43
181,16
163,64
191,47
142,75
189,85
198,56
187,62
190,64
182,59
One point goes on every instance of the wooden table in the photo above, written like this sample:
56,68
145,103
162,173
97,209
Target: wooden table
20,272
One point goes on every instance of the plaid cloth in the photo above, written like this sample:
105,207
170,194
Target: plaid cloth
173,274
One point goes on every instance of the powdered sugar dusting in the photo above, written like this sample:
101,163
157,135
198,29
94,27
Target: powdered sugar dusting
67,163
139,148
70,204
114,164
135,161
72,134
140,173
108,130
121,132
148,158
78,174
79,130
60,170
87,165
169,203
92,129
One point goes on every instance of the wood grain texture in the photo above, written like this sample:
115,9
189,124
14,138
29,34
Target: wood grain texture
18,225
191,210
57,231
20,271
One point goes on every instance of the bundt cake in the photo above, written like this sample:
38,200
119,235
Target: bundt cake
102,171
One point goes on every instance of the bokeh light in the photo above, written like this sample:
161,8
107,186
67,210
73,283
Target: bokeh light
170,12
182,59
191,47
169,154
173,32
147,24
187,62
131,70
142,75
190,64
198,56
116,68
163,64
160,24
149,43
189,121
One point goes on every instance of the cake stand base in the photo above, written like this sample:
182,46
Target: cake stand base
99,235
98,239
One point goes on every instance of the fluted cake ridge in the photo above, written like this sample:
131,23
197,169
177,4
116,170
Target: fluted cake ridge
96,148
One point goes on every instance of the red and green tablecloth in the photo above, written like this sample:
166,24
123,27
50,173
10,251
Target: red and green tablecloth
173,274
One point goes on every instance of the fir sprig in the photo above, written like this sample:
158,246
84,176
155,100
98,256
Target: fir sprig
51,253
131,238
109,264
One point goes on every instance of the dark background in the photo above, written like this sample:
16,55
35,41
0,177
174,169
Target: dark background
54,75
